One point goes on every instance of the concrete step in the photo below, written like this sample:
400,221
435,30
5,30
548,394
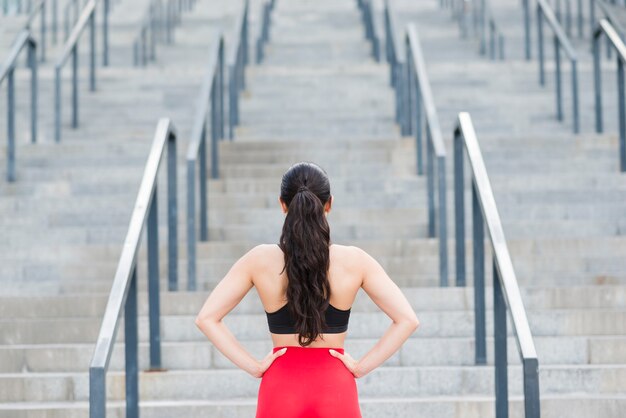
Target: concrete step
363,325
428,407
233,384
56,358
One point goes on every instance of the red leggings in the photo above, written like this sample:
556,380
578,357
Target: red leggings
308,382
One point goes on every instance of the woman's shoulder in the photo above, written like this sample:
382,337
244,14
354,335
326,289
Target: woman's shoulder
347,252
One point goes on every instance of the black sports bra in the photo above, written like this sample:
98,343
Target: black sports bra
281,321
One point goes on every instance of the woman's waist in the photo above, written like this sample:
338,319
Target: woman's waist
317,350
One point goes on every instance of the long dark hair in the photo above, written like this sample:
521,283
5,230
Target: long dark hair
305,241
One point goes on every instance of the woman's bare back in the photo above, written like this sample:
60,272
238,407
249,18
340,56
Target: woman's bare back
345,277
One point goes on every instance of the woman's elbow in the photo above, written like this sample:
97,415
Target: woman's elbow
203,322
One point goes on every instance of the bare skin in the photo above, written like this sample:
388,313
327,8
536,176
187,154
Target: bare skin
351,268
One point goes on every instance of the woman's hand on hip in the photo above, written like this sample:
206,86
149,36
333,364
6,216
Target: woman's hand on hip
268,360
350,363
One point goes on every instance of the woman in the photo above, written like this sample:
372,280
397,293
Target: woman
307,286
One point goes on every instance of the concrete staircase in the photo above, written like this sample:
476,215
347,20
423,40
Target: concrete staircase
318,96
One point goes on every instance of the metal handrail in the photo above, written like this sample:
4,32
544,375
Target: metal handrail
412,92
394,57
568,15
369,22
560,40
496,36
67,25
173,17
604,7
71,48
264,35
39,9
210,109
505,287
238,58
418,95
144,47
23,40
608,14
123,296
605,28
484,25
71,7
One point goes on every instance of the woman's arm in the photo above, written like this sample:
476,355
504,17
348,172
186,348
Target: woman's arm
224,297
388,296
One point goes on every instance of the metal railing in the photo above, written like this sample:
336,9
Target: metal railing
173,16
39,10
609,11
7,71
560,41
264,35
419,117
210,110
605,28
71,13
75,9
412,93
395,61
369,21
71,49
144,47
505,287
238,58
492,38
564,17
484,26
123,294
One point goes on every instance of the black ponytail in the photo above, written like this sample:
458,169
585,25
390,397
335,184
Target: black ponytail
305,241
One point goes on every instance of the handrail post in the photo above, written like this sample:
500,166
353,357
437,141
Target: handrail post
405,117
575,105
11,125
153,282
443,224
214,134
232,100
542,77
430,183
92,52
531,387
55,21
597,80
500,350
97,392
105,33
204,223
57,104
172,215
34,105
478,228
581,18
220,90
131,344
559,94
459,209
43,31
411,96
75,86
418,130
191,219
622,113
527,29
